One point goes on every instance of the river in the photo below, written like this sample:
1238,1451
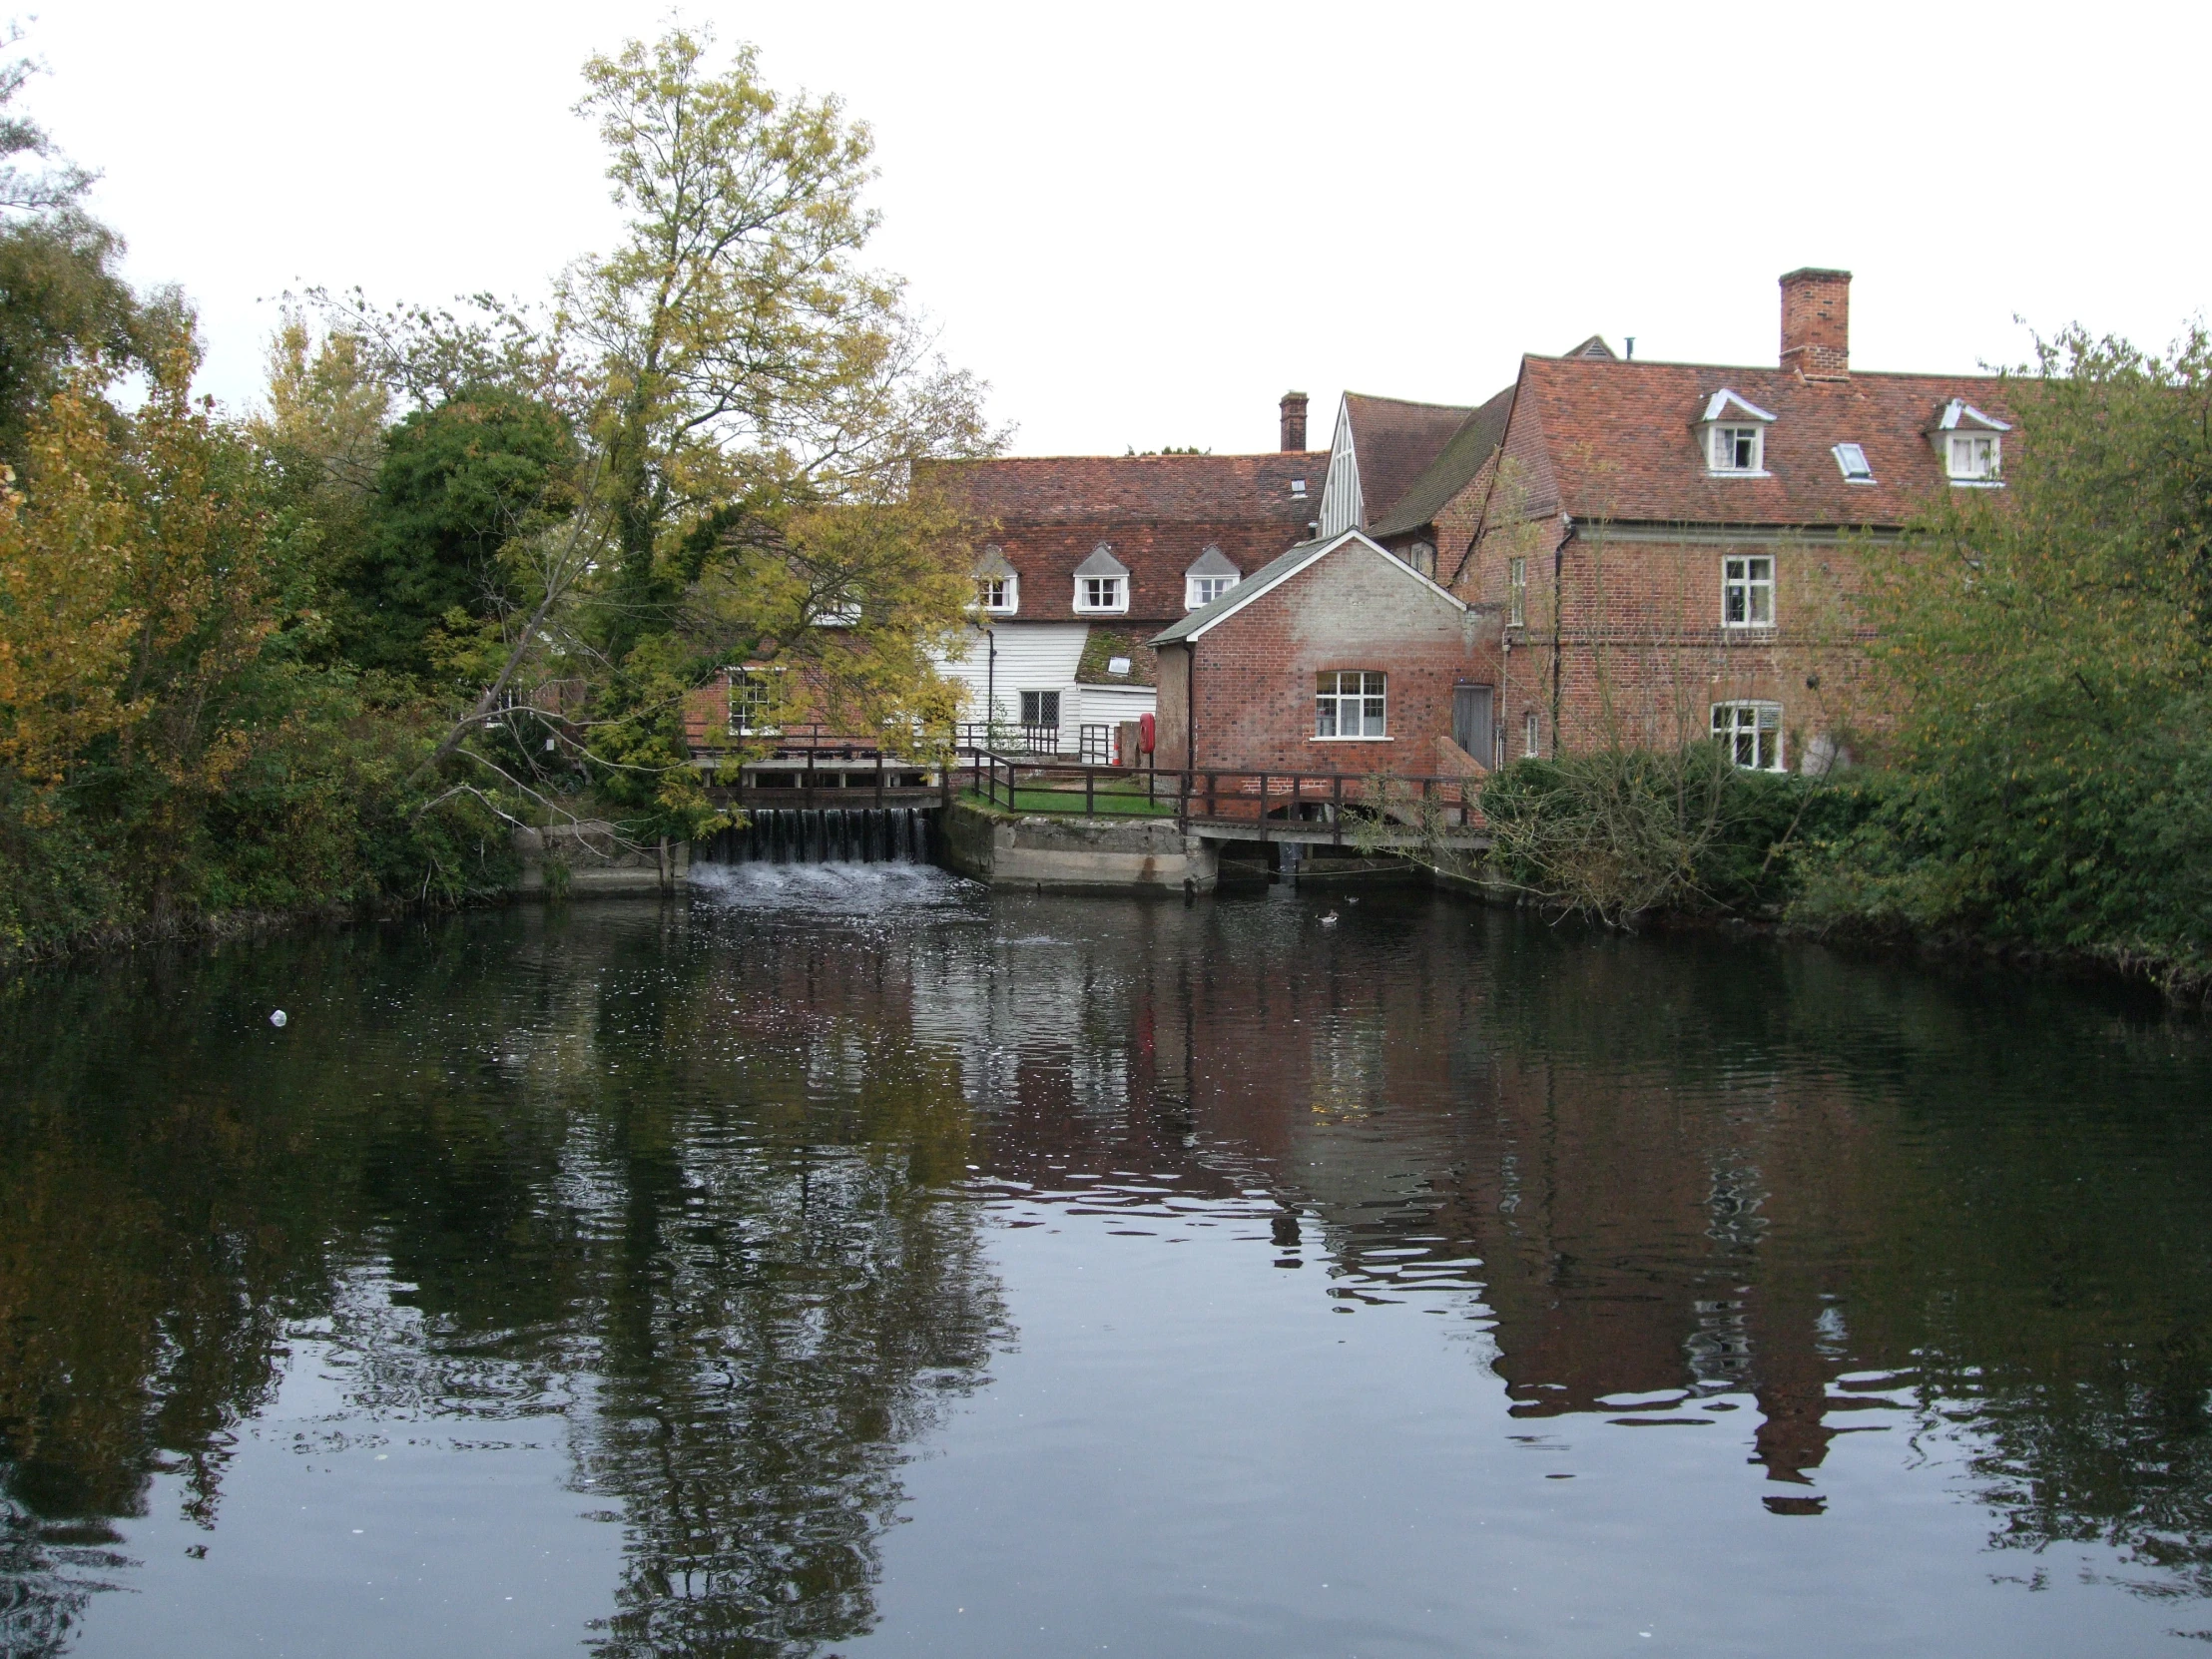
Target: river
853,1262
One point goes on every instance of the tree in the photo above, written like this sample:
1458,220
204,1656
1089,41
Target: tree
64,306
2049,649
739,347
458,484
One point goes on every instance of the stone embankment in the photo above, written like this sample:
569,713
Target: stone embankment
1009,849
589,860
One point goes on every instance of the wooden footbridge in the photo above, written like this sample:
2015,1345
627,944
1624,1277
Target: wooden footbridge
816,769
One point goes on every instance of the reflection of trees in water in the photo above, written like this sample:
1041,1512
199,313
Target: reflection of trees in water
711,1233
786,1328
593,1175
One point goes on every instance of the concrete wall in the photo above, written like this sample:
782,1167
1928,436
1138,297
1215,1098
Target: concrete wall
585,860
1074,852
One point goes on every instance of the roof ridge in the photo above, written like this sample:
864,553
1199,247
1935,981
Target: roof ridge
1768,369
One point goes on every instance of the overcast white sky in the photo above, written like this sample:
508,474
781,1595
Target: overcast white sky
1142,223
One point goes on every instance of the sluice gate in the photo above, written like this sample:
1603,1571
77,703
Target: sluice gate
825,835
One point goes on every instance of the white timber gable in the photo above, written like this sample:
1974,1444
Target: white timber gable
1341,506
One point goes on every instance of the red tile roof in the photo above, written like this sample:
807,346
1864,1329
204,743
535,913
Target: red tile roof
1395,441
1157,514
1618,440
1047,489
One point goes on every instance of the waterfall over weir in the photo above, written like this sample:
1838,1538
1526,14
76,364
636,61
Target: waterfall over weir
824,836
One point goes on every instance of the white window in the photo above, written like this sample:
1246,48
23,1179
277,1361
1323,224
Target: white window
1000,594
1752,734
1738,449
1532,735
1203,590
1851,458
1351,703
1517,593
1040,708
1970,445
1746,592
1734,433
839,613
1298,488
1422,557
1973,457
1102,593
752,696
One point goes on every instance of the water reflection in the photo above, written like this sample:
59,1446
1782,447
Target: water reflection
716,1199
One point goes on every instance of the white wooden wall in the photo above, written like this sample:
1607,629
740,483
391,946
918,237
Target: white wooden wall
1043,655
1341,506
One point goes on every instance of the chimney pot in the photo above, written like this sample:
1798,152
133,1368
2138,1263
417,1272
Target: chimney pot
1294,421
1816,323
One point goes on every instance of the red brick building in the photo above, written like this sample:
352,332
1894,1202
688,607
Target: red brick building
1673,547
1337,657
1085,557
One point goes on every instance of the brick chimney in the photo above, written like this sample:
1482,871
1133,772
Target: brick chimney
1816,323
1294,421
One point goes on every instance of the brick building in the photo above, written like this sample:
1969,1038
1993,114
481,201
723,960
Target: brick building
1085,557
1673,545
1337,656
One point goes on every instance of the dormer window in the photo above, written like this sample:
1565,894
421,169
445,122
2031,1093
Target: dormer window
1734,433
997,587
1210,575
1851,458
1203,590
1101,583
1970,445
1973,455
1737,449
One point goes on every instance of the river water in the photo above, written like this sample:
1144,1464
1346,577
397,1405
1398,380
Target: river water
847,1261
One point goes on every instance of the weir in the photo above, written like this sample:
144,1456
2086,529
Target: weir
824,835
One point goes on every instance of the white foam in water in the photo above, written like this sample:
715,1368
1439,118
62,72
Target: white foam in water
834,889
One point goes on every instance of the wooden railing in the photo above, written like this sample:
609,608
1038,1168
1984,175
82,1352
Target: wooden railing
1223,797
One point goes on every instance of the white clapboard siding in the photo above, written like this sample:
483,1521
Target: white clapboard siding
1341,506
1111,705
1032,656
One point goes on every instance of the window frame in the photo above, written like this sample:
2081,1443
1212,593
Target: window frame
1865,473
736,725
1749,586
1040,694
1984,477
1006,606
1118,607
1517,593
1370,694
1221,583
1732,433
1532,736
1760,731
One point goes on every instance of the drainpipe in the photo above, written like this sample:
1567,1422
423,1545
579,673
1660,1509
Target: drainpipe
1558,607
1190,699
990,688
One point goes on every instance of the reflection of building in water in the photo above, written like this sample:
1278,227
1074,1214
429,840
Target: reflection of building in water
1626,1227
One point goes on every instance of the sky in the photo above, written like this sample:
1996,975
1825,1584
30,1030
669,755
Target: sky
1142,224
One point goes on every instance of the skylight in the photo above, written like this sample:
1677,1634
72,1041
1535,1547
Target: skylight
1853,459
